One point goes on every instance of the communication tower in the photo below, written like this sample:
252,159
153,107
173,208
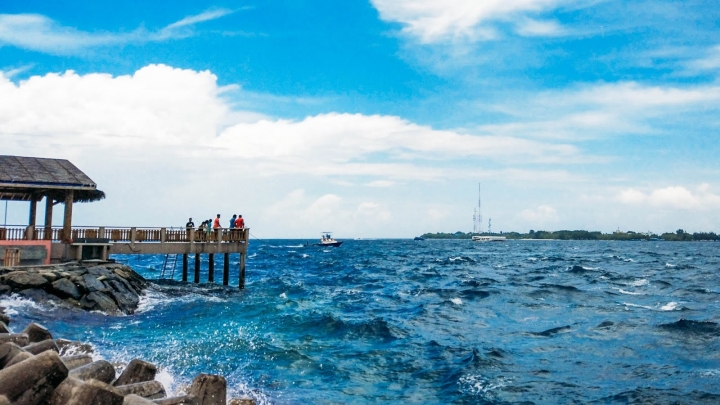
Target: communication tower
489,225
478,218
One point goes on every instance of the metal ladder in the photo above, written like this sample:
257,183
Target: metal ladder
167,265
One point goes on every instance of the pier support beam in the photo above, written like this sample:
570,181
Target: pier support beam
226,269
67,219
241,284
32,220
197,268
185,267
211,268
48,218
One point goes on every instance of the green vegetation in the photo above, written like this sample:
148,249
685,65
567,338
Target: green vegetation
679,235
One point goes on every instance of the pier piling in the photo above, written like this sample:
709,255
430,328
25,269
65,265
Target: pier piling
211,268
241,284
197,268
226,269
185,268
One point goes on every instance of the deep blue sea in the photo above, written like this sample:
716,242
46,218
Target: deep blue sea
431,322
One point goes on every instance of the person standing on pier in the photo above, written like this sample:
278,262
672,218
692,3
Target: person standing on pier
189,227
232,222
239,222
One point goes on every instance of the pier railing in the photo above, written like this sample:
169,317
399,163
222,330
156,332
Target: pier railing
131,235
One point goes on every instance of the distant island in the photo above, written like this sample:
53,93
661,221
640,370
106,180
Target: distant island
677,236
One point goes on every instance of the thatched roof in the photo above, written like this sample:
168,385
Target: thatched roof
27,178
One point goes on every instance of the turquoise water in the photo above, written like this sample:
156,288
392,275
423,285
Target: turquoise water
390,321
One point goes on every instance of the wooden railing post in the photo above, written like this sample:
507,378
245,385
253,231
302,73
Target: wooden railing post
101,232
163,235
133,235
30,232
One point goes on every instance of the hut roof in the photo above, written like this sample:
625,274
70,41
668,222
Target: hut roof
27,178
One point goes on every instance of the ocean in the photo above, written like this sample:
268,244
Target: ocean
432,322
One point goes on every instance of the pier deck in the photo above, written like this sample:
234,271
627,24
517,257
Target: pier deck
97,243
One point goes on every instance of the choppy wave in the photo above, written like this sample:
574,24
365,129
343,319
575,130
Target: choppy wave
392,321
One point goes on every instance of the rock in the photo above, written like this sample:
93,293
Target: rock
137,400
66,288
5,289
92,283
36,333
242,401
4,328
4,400
7,352
23,279
69,347
147,389
36,295
75,392
39,347
20,338
98,301
135,372
99,370
31,381
22,356
125,299
5,319
183,400
73,362
209,389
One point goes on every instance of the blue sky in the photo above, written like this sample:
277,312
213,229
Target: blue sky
373,118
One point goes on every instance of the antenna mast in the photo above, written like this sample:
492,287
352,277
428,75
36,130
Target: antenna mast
479,210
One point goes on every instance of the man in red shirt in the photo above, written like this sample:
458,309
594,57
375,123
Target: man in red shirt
216,222
239,222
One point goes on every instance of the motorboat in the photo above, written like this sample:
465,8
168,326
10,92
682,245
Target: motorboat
327,240
480,238
419,238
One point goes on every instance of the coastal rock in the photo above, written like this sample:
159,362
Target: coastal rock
183,400
31,381
209,389
99,370
137,371
37,333
147,389
73,362
111,288
7,352
66,288
39,347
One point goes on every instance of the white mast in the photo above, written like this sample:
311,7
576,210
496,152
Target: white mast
479,210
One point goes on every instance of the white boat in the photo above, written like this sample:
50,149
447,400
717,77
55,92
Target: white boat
478,238
327,240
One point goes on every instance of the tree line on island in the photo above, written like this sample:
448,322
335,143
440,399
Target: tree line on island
679,235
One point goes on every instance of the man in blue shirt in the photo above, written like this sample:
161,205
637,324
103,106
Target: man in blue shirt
232,222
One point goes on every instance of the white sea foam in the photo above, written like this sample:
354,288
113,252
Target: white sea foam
252,255
479,385
630,304
305,255
670,306
283,295
294,246
166,379
456,301
14,302
670,265
629,292
639,283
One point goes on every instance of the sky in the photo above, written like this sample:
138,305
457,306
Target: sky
372,118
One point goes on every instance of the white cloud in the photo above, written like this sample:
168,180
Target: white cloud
674,197
40,33
711,61
434,21
541,215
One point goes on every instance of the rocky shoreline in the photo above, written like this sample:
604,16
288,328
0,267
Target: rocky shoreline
110,288
39,369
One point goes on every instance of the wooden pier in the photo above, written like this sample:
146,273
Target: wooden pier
59,181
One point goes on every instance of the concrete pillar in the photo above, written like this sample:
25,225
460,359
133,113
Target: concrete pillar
185,268
197,268
67,219
226,269
211,268
30,231
241,284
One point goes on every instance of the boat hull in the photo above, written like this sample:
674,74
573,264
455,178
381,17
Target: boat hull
331,244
